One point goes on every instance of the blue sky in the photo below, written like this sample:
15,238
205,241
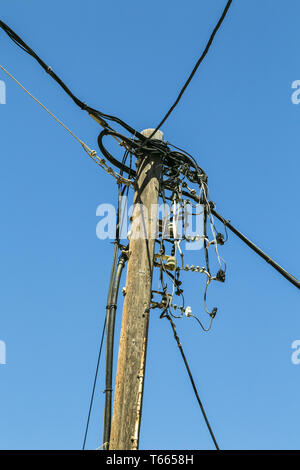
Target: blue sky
130,59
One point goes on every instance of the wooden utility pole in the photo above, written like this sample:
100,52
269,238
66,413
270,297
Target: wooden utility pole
134,332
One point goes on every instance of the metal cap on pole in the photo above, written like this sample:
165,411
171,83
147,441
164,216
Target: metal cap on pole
159,135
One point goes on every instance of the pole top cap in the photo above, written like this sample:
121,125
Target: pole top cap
159,135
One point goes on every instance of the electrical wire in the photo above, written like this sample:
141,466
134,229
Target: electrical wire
111,310
98,115
109,325
201,58
94,387
111,316
142,146
257,250
227,224
155,145
192,381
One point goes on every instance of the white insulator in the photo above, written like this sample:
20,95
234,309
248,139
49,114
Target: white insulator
188,311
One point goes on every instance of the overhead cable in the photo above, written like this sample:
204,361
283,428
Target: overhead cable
94,387
201,58
193,382
100,117
257,250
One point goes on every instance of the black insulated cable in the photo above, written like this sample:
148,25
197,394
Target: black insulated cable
248,242
192,381
110,332
201,58
92,111
94,387
257,250
109,296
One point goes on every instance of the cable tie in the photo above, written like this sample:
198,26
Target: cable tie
111,306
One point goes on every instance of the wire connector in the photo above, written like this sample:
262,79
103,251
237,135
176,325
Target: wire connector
213,313
221,276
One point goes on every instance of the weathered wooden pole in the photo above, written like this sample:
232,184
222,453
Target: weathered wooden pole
134,332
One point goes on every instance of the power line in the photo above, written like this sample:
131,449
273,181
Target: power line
192,381
94,112
175,159
257,250
248,242
169,158
94,386
100,117
201,58
111,316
